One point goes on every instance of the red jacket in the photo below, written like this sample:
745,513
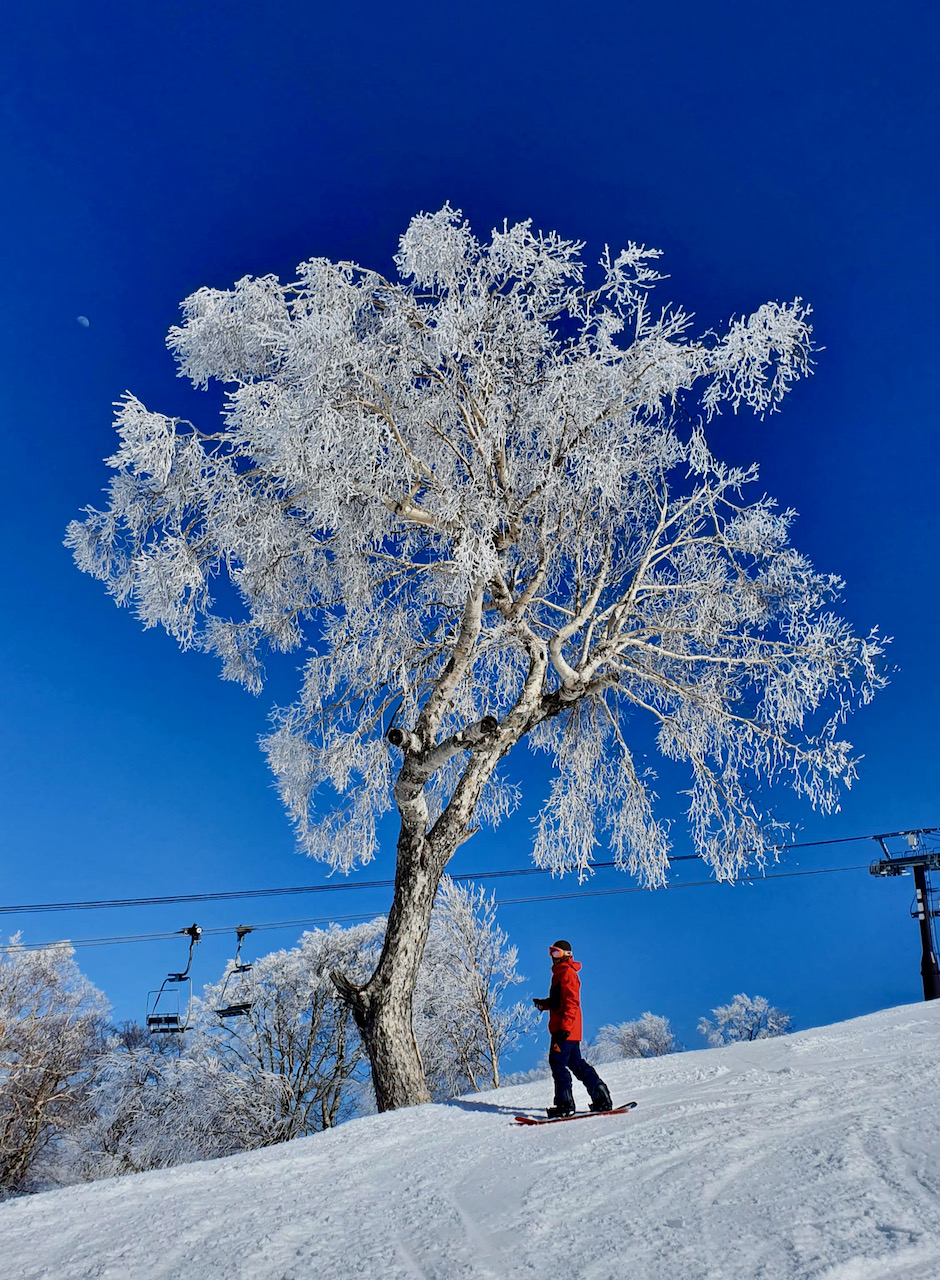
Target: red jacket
564,999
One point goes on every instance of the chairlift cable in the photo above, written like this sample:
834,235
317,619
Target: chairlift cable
234,894
237,894
360,916
173,933
686,884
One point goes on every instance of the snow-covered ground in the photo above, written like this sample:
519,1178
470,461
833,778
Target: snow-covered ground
812,1155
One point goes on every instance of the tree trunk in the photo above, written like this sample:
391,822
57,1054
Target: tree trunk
382,1008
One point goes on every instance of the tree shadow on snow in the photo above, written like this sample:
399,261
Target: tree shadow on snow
493,1108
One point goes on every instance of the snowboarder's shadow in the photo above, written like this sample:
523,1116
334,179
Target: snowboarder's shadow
493,1108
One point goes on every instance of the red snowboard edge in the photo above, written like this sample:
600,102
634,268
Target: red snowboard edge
578,1115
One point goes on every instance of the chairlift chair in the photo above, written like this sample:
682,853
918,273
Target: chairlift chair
163,1005
239,1003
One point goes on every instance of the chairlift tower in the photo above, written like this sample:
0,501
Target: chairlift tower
921,861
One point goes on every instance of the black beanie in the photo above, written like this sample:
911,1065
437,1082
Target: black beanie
562,944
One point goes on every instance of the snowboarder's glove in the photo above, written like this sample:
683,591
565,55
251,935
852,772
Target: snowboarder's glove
559,1037
540,1004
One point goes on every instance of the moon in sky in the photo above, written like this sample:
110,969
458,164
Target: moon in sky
83,321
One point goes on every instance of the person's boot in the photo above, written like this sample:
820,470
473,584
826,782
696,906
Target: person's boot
564,1106
601,1100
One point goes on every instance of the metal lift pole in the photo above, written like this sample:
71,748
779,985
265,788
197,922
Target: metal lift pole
920,860
929,970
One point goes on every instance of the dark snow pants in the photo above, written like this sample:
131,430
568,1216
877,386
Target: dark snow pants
565,1059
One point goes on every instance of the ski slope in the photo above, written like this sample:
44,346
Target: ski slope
815,1155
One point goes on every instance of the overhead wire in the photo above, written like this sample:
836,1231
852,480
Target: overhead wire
175,933
686,884
231,895
362,916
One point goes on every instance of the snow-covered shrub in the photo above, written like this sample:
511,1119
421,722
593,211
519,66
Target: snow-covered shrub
745,1018
155,1104
527,1077
650,1036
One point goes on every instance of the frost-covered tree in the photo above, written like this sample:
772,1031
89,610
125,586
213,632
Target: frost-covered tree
52,1021
463,1024
297,1052
291,1065
481,492
155,1104
649,1036
745,1018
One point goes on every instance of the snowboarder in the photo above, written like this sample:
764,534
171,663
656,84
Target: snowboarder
564,1024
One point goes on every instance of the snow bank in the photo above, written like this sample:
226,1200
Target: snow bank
812,1155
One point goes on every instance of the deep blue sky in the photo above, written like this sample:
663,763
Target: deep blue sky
768,150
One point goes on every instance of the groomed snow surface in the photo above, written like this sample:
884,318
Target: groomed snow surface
812,1155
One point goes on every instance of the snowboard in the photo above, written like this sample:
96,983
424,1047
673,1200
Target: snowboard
578,1115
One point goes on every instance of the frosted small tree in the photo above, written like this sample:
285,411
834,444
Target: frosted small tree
297,1053
464,1025
481,492
156,1104
650,1036
745,1018
51,1034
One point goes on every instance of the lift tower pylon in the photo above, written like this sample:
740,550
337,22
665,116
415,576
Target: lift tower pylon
920,860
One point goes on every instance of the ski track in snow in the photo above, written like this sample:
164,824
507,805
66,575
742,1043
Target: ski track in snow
814,1156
